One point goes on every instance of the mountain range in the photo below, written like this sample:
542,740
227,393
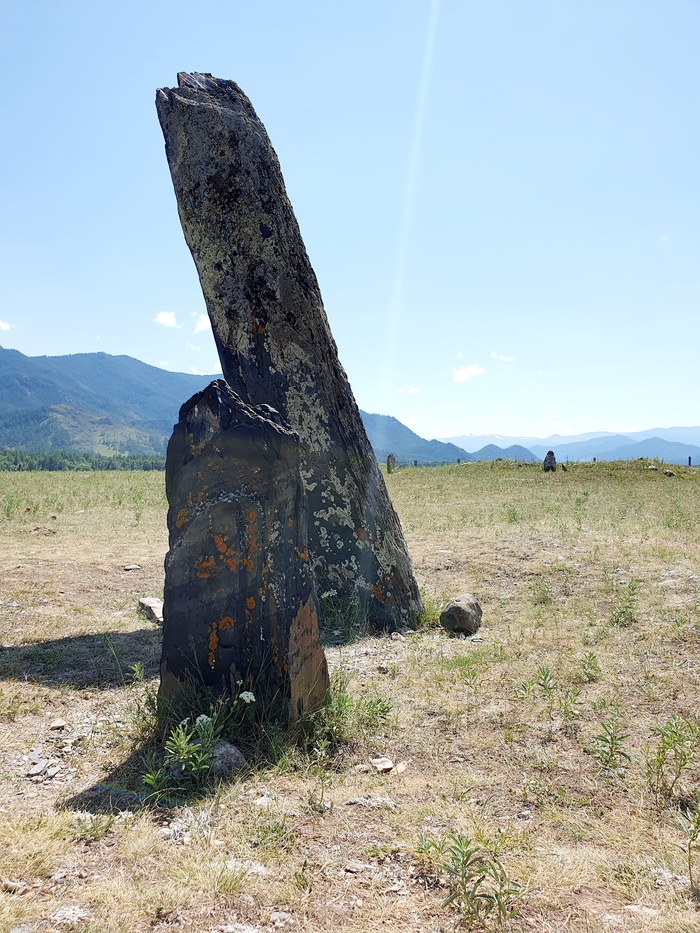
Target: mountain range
98,403
672,445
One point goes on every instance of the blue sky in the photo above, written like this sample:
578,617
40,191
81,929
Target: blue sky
500,199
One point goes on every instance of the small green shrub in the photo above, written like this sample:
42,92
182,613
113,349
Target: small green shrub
675,753
587,670
479,884
625,613
608,746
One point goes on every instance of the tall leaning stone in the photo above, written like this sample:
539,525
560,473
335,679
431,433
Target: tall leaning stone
274,341
240,608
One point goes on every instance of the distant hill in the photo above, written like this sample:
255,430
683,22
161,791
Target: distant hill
514,452
601,441
388,435
60,427
657,448
126,389
584,450
103,404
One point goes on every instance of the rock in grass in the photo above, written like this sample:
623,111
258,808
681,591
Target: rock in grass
152,608
462,615
274,342
226,759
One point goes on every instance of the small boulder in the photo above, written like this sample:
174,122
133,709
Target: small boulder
669,473
550,462
226,759
462,615
153,608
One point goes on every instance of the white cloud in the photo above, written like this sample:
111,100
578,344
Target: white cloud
167,319
164,364
197,372
501,357
192,346
465,373
4,325
201,323
409,390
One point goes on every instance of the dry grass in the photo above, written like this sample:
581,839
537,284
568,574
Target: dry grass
592,575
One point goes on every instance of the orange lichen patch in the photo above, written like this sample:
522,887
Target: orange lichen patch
189,499
200,475
291,522
303,554
213,643
257,326
205,567
362,534
380,594
252,516
226,623
261,592
220,542
247,564
182,517
200,497
231,563
250,603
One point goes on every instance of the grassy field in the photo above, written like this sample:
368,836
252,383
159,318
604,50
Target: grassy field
546,771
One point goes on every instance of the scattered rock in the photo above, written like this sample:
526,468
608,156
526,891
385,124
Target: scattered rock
133,567
152,608
58,724
71,916
226,759
374,803
397,636
655,469
462,615
280,918
14,887
354,867
390,463
669,473
247,865
38,768
383,765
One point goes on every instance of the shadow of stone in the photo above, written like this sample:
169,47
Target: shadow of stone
122,789
101,661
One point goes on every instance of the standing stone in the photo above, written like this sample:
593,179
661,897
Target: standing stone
550,462
274,341
240,608
390,463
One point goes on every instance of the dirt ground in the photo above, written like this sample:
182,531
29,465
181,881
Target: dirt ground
474,749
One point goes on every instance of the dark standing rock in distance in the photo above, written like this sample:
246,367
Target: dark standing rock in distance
239,609
550,462
390,463
274,341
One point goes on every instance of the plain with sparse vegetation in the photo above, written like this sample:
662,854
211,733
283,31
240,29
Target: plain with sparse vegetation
542,775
